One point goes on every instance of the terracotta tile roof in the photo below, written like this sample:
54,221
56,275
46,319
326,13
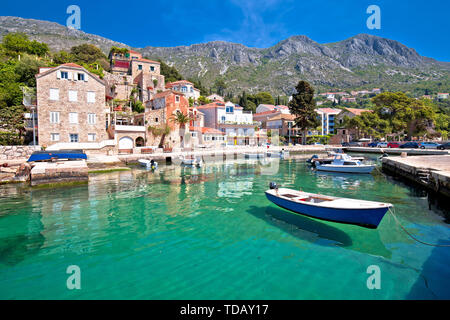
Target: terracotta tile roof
178,82
270,112
328,110
212,105
73,65
206,130
357,111
166,93
282,116
146,60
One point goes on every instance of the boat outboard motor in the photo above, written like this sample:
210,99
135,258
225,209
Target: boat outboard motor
310,160
153,164
273,185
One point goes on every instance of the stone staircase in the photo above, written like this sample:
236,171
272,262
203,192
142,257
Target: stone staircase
423,175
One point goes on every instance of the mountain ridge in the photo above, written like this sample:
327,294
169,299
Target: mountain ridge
360,60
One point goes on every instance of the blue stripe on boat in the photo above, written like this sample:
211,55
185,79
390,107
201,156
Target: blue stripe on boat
369,218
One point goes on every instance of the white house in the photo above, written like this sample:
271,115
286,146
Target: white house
230,119
185,87
442,95
269,107
215,97
327,117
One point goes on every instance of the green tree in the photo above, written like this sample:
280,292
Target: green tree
303,106
220,87
16,43
90,57
403,113
203,100
170,74
62,57
265,98
11,124
162,130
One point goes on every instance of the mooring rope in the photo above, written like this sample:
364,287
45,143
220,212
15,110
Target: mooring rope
414,238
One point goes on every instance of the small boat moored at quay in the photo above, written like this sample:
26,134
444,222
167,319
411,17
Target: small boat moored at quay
343,163
280,154
254,155
149,164
363,213
191,161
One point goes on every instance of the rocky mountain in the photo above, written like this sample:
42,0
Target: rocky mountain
360,61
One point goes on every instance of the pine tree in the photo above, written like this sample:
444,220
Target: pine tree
303,106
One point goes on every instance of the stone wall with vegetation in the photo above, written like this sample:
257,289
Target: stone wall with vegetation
17,152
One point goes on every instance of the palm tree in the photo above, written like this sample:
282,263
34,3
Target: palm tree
181,119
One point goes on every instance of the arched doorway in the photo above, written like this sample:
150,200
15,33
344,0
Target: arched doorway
139,142
125,143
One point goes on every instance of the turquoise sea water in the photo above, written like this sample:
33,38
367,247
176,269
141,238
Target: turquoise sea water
210,233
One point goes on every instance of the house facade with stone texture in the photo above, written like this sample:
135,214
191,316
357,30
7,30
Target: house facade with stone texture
160,112
71,106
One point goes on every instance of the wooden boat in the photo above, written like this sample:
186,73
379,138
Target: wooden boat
344,163
363,213
149,164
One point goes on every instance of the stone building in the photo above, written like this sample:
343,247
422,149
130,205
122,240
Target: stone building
160,112
71,107
131,71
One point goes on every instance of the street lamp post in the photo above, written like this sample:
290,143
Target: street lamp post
34,125
289,132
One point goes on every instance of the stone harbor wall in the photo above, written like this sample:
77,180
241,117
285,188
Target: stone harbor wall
17,152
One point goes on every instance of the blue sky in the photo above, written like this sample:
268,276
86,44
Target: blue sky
422,25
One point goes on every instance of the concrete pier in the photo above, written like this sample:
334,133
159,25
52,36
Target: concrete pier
60,171
431,172
418,152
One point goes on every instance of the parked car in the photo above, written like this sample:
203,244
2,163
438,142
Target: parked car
382,145
445,145
410,145
393,145
428,145
352,144
373,144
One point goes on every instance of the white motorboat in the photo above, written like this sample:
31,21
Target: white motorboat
346,164
149,164
191,161
278,154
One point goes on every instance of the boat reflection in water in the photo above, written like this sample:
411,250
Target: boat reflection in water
343,180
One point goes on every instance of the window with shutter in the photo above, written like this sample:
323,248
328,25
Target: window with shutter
91,118
73,95
54,117
73,117
91,97
54,94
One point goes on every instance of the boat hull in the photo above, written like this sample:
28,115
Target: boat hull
368,218
344,169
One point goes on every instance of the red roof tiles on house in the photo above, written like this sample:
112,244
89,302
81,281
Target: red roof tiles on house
357,112
206,130
328,110
146,60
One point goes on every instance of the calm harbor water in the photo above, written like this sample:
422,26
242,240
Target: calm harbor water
210,233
